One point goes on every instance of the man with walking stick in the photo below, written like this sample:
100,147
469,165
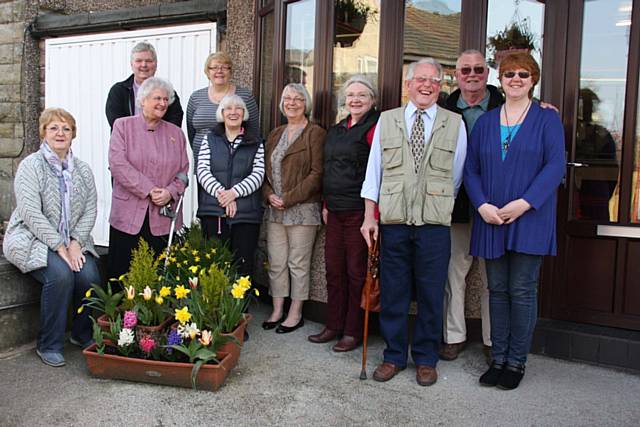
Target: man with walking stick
414,170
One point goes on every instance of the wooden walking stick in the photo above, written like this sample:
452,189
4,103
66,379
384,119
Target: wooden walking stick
370,282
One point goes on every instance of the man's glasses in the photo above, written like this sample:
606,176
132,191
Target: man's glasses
465,71
512,74
432,80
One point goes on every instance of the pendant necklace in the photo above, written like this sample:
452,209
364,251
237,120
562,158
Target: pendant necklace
507,141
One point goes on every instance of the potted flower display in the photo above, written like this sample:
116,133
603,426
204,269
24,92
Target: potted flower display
180,320
516,37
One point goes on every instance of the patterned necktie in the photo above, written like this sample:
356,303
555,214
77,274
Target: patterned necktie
417,139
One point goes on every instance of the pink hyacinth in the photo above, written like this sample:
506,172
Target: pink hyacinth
147,344
130,319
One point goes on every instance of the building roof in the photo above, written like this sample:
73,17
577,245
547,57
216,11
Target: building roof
431,34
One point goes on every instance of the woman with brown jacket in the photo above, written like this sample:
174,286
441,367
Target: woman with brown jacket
292,189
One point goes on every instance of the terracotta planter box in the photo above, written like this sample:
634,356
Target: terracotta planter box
109,366
232,347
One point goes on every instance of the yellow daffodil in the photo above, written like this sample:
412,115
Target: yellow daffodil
178,278
182,315
181,292
122,276
213,251
163,255
207,256
255,291
197,259
206,337
165,291
159,300
88,293
131,292
80,309
179,264
147,293
172,259
237,292
193,269
244,282
193,282
194,252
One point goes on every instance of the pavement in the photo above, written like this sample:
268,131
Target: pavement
284,380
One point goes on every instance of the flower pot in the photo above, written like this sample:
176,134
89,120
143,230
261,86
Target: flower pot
103,321
232,347
109,366
153,331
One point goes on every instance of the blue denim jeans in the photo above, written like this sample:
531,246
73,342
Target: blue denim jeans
61,285
513,305
413,256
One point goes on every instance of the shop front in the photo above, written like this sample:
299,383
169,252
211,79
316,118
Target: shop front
589,51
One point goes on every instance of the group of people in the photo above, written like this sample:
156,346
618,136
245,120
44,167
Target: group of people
437,185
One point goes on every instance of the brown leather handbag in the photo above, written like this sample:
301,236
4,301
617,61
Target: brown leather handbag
370,300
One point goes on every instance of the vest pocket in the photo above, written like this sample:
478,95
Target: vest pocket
441,161
438,201
392,153
392,203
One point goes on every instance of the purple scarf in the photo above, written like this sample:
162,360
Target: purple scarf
63,170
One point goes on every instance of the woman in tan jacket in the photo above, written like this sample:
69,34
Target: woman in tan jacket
292,189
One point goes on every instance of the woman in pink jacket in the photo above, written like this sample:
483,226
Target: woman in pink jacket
149,166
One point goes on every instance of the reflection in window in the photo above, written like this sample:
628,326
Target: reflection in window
513,25
355,51
432,29
266,73
603,66
300,35
635,192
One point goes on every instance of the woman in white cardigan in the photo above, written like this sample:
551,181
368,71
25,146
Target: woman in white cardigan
49,233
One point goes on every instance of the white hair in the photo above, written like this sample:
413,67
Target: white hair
231,101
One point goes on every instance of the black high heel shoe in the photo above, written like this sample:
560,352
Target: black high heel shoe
266,325
286,329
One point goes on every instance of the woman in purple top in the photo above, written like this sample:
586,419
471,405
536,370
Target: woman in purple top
149,165
515,162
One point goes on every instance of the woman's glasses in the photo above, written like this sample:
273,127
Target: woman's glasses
55,129
512,74
219,68
465,71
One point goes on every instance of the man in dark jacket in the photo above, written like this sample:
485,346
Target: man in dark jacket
471,100
121,101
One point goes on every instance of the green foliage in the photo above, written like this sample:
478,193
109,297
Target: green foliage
514,36
103,300
143,268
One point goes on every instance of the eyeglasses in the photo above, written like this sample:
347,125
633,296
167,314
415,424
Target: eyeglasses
219,68
423,80
55,129
295,99
359,96
160,98
512,74
467,70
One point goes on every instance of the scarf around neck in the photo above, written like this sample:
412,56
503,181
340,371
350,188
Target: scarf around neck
63,169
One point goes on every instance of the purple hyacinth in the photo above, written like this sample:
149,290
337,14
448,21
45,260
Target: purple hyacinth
130,319
173,338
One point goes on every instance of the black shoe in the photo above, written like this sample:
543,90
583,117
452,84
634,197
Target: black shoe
246,336
493,375
286,329
511,377
271,325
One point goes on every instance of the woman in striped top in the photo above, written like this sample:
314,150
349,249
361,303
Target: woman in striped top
203,103
230,171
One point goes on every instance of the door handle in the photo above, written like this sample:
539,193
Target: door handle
577,165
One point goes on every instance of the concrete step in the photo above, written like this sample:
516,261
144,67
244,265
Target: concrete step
19,307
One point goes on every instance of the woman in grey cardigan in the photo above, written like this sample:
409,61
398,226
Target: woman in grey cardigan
49,233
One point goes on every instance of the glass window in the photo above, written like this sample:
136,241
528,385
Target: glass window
266,73
513,25
432,28
603,67
635,192
355,45
299,42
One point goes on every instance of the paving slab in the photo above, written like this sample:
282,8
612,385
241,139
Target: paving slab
284,380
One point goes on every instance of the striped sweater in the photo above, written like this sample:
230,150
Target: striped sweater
201,115
33,227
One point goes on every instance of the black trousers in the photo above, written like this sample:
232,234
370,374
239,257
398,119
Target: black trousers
121,245
241,238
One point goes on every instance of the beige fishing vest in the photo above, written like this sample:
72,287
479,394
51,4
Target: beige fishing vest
426,197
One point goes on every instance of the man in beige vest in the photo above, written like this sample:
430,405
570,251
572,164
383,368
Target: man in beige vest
414,170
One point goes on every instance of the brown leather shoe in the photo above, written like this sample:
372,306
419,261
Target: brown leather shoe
386,371
451,351
486,350
347,343
426,375
325,336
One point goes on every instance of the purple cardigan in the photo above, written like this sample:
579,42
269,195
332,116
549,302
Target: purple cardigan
140,160
532,170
